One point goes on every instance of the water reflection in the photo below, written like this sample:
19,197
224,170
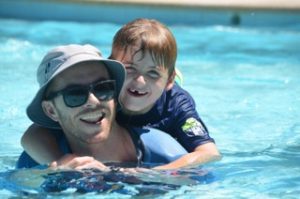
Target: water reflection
31,182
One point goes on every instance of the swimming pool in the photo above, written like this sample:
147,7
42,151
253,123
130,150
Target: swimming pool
245,81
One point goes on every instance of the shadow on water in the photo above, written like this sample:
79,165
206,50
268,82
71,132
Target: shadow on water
39,182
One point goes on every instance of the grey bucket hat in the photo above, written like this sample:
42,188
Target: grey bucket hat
56,61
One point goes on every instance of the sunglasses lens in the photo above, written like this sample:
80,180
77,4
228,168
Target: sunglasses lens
105,90
76,96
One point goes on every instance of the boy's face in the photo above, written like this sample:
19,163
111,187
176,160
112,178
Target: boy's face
145,81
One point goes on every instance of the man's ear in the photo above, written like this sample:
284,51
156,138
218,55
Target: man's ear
171,81
50,110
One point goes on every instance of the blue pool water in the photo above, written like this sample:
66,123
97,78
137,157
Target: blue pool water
246,83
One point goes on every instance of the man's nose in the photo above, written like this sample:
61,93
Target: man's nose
92,100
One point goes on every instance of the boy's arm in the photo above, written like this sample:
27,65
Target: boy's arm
190,131
204,153
41,144
72,161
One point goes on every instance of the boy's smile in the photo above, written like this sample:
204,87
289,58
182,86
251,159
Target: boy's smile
144,83
136,93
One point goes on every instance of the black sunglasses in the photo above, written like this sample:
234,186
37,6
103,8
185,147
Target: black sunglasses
78,95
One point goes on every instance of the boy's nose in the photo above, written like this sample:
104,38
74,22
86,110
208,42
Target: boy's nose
141,79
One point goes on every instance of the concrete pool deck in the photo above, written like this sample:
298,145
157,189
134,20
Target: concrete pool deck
191,12
238,4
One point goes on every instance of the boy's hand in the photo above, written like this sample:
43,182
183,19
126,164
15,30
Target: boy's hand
72,161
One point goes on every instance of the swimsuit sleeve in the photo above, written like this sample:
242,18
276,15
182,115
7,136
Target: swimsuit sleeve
186,125
26,161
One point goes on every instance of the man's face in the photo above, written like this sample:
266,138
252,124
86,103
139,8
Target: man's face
145,81
92,121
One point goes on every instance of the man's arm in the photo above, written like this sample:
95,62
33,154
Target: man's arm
204,153
41,144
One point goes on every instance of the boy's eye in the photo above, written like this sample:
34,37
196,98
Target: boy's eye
153,74
130,69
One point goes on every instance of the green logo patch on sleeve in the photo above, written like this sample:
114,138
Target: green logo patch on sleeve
193,127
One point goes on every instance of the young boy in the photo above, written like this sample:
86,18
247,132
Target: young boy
149,97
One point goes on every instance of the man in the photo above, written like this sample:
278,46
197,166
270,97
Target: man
77,95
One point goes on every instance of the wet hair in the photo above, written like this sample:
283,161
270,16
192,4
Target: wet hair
151,36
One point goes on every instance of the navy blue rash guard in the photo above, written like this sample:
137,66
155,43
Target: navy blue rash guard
174,113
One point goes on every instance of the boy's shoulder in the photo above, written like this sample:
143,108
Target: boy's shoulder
174,101
176,94
178,89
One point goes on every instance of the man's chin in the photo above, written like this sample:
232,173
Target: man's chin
98,138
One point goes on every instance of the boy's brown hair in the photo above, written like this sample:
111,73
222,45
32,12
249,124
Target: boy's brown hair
153,37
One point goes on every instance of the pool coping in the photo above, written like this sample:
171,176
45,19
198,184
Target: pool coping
217,4
168,11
